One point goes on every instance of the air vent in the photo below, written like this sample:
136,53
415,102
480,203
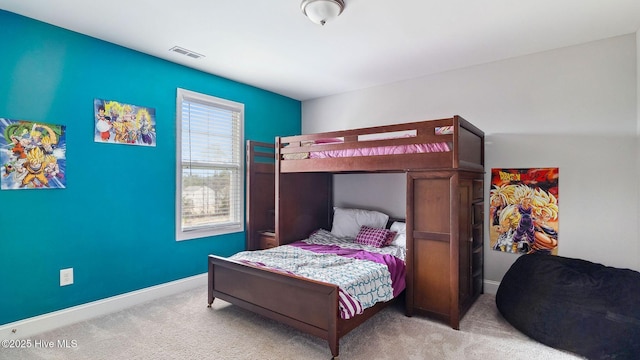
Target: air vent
186,52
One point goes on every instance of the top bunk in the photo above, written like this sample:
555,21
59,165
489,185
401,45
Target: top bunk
442,144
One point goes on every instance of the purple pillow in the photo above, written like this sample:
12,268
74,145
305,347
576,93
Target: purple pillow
390,237
372,236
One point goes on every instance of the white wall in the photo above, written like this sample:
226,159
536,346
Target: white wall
355,191
572,108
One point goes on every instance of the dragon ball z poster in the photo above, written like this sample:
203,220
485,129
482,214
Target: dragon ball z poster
524,210
32,155
119,123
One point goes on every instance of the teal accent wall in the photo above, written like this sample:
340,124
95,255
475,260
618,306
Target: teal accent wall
114,223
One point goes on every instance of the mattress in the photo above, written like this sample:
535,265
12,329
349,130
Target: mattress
372,151
382,150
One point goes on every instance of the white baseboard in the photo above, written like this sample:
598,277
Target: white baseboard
491,287
46,322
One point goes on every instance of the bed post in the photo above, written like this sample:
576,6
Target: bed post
334,337
456,143
210,282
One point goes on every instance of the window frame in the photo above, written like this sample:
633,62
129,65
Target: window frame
213,229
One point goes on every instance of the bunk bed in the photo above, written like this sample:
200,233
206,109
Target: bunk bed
444,270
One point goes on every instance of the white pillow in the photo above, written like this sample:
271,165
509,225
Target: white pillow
399,227
401,237
347,222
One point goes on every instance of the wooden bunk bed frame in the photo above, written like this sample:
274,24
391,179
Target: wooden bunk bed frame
303,203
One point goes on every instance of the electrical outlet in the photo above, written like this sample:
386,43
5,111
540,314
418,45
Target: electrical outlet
66,277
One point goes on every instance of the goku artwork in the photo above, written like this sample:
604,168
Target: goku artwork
524,210
32,155
119,123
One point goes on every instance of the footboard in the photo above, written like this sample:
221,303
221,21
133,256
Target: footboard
307,305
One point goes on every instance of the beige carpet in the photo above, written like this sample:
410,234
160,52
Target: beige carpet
182,327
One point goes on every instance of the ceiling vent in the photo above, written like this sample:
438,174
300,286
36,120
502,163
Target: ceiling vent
183,51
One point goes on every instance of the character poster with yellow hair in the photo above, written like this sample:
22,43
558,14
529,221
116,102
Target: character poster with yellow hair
118,123
523,210
32,155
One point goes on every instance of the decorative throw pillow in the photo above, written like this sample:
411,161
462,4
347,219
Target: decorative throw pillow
372,236
390,238
347,222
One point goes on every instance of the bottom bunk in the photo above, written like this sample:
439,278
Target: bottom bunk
359,280
284,298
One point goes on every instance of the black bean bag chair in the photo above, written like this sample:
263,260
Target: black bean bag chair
574,305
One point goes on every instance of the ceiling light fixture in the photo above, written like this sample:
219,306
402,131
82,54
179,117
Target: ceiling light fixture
321,11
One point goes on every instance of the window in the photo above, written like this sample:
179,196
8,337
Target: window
209,166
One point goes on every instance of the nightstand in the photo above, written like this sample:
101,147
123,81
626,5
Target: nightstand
267,239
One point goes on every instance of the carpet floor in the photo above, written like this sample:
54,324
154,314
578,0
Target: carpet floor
182,327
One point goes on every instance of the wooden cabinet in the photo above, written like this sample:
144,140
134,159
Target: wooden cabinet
444,243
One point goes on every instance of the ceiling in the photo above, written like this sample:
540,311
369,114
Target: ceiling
270,44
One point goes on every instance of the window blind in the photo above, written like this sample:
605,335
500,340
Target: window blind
211,158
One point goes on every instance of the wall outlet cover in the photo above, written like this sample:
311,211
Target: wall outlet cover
66,277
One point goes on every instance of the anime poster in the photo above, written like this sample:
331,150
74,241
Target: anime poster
119,123
32,155
524,210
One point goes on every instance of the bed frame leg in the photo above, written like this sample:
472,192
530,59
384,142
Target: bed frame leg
210,283
333,345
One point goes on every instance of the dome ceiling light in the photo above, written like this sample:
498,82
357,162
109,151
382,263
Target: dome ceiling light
322,11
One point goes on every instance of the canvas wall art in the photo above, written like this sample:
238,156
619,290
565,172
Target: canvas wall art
32,155
119,123
524,210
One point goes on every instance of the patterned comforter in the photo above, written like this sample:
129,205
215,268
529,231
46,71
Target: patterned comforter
365,274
